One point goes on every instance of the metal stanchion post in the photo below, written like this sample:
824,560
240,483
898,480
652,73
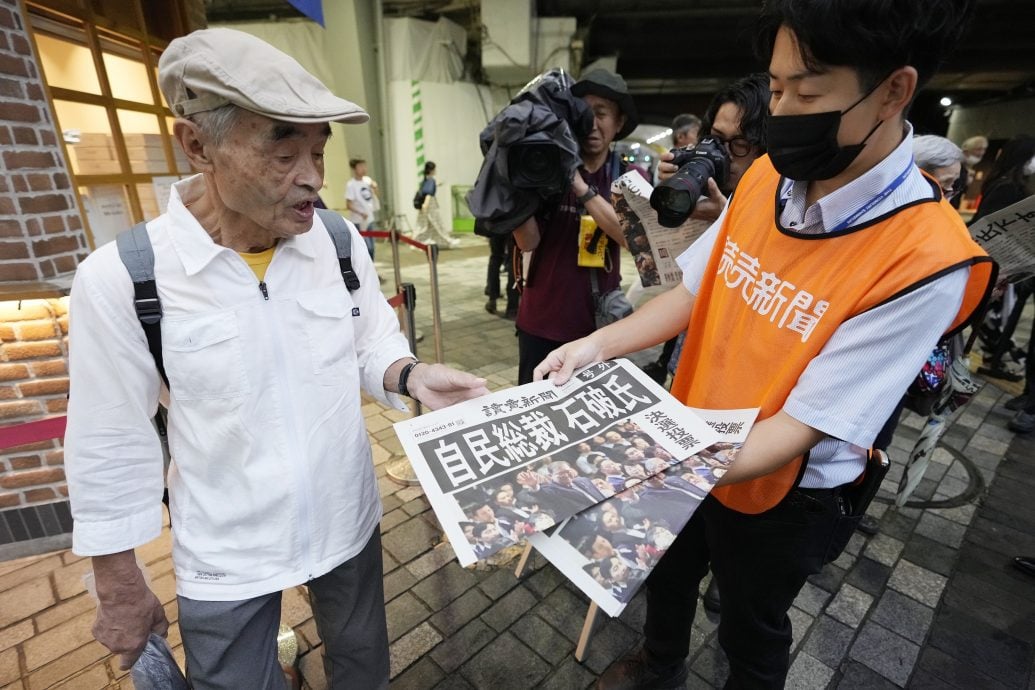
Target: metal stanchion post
400,471
410,298
393,237
436,311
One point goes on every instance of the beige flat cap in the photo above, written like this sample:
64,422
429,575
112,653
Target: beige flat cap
210,68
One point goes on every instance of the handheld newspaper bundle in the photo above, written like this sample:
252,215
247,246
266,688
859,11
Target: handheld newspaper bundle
653,246
608,551
599,474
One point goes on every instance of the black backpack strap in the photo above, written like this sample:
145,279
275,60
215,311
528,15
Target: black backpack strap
338,229
137,255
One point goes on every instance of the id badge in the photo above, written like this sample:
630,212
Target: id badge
588,234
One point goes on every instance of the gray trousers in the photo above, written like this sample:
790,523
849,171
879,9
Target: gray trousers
233,644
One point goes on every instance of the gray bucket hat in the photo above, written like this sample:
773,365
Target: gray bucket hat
600,82
210,68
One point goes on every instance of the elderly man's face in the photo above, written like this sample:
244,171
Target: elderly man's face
564,476
608,120
269,172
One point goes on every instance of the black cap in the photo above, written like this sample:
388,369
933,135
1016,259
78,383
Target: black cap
600,82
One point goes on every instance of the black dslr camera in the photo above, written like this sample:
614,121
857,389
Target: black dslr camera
675,198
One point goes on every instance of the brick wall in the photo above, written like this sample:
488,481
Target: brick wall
33,384
41,231
41,239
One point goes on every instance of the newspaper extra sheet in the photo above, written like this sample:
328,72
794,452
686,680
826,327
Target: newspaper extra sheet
608,550
518,461
1008,236
653,246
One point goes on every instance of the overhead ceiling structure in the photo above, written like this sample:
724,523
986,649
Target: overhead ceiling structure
676,53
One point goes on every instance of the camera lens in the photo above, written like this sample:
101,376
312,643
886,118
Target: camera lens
536,165
674,206
675,198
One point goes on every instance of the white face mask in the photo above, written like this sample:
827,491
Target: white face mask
972,160
1029,167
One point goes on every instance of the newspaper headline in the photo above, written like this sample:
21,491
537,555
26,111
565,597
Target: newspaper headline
516,462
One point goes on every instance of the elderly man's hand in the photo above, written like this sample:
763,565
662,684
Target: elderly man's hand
438,386
127,611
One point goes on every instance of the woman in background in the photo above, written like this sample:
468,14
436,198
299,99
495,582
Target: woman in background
429,222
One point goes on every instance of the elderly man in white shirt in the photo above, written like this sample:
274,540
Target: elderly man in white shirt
265,349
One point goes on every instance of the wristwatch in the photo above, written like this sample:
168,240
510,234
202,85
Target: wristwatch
404,376
590,193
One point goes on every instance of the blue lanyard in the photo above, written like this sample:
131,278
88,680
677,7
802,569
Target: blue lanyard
872,203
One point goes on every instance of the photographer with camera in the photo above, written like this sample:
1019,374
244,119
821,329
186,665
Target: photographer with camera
557,304
803,302
735,119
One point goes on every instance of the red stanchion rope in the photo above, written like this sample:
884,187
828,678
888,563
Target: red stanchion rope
32,432
383,235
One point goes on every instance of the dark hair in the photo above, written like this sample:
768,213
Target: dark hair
1009,166
353,162
429,168
685,121
873,37
751,95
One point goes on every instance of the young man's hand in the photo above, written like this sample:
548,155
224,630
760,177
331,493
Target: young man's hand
562,362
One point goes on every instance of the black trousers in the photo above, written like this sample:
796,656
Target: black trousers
760,563
500,248
531,351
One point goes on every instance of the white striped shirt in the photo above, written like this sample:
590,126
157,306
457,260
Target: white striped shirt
851,387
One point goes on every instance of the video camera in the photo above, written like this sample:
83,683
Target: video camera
531,151
675,198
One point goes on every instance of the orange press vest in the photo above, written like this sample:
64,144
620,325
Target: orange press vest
771,298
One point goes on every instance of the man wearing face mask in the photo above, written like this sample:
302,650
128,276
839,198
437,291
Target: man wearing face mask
811,281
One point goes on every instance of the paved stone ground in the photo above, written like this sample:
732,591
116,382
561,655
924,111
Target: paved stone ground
929,602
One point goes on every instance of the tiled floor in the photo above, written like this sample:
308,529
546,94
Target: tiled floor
929,602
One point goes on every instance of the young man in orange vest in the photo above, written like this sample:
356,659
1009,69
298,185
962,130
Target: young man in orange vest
816,296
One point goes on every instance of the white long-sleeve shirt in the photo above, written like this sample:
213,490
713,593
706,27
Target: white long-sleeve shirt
852,386
271,482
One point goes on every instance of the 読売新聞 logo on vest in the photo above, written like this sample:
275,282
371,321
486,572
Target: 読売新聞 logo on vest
767,294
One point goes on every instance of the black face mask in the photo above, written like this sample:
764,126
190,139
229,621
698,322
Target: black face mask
805,148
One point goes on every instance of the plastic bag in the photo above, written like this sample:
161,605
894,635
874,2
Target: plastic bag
156,668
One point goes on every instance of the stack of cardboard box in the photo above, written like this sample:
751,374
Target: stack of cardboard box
95,155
